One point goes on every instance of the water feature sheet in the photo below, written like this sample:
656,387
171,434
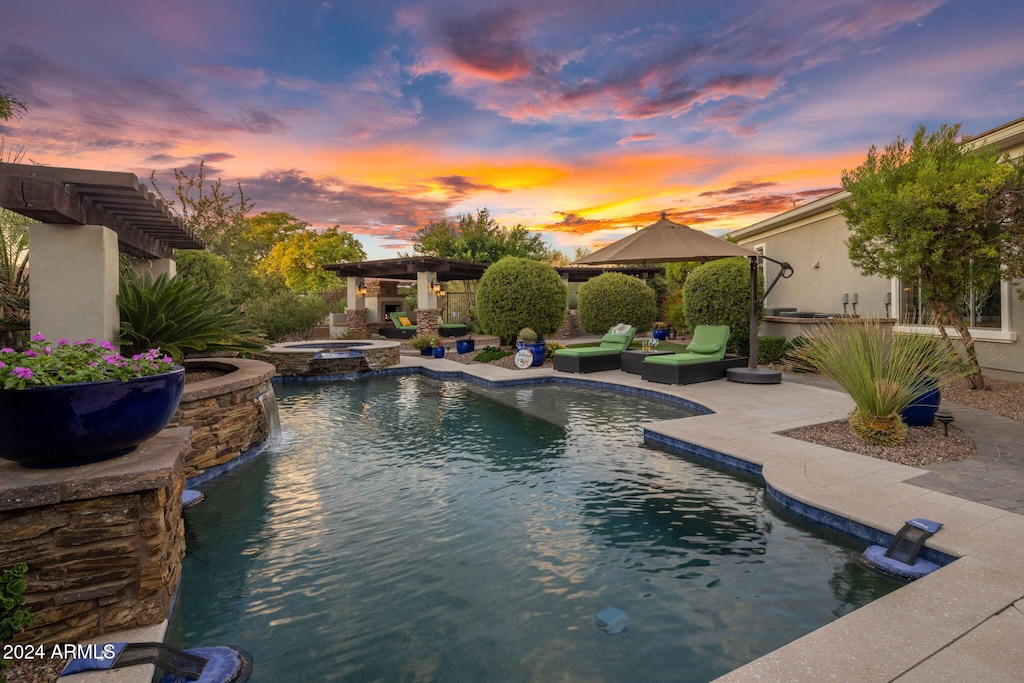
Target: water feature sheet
416,529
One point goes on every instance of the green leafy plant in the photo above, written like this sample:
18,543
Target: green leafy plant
770,349
718,293
180,317
517,292
883,372
613,298
14,616
63,362
14,308
286,314
490,353
424,341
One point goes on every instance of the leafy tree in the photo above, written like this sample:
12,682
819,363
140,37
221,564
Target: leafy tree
215,215
941,214
479,239
10,106
300,258
206,267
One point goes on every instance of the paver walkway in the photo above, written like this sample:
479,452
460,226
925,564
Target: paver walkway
995,476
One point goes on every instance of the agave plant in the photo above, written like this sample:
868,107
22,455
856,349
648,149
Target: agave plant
883,372
181,317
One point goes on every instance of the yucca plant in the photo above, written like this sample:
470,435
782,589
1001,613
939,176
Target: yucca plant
181,317
883,372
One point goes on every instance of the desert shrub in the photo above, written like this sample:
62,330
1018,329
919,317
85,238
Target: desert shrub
770,349
514,293
882,372
613,298
549,351
718,293
424,341
181,317
287,314
788,355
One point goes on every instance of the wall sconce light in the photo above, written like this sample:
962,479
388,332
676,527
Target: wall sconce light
436,288
361,290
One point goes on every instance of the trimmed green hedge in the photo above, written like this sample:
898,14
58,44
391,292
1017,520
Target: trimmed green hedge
514,293
718,293
770,349
613,298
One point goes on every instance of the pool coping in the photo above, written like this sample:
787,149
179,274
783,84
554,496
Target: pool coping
963,622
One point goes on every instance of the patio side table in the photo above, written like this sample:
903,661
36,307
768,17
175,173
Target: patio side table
632,359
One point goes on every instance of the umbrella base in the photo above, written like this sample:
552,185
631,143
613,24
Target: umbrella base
753,376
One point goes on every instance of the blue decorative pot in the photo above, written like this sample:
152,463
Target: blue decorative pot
921,413
660,335
73,424
465,345
429,351
438,352
538,350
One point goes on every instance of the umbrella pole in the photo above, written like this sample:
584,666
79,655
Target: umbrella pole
753,374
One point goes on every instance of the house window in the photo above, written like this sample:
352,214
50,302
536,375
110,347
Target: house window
979,309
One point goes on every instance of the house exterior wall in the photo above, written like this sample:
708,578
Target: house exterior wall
822,272
811,238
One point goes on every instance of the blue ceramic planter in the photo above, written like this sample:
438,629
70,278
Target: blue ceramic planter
429,351
465,345
921,413
74,424
660,335
538,350
438,352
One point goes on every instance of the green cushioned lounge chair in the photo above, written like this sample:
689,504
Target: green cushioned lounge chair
401,330
604,356
703,360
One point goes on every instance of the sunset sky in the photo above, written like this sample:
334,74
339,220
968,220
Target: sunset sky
579,118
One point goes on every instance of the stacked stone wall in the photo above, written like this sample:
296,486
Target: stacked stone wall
223,426
101,556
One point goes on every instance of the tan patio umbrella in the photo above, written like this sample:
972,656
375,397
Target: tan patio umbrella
667,242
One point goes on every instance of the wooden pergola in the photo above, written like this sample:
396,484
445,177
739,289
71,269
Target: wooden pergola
85,218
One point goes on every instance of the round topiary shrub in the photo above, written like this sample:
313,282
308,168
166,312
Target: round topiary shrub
718,293
515,293
613,298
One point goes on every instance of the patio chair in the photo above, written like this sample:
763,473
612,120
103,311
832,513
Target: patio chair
703,360
404,328
604,356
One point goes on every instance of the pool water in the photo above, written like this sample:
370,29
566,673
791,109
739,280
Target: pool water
410,529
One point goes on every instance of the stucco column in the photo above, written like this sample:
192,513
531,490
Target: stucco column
155,267
74,281
425,297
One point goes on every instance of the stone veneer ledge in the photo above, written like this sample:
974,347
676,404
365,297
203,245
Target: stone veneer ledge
103,541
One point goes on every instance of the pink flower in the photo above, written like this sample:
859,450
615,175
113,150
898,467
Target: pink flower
62,342
31,354
2,364
108,346
48,351
38,337
22,373
7,349
167,359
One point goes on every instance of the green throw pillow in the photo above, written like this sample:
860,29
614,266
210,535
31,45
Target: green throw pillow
704,348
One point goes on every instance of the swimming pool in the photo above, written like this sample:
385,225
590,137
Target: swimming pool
418,529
